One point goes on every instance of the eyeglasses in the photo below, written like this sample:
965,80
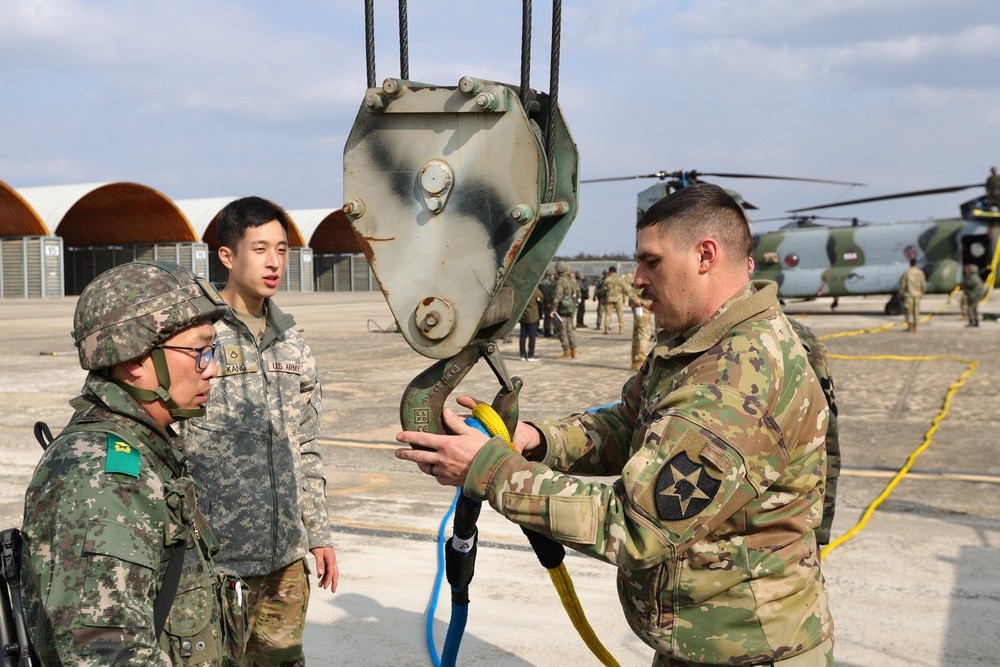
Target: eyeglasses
205,354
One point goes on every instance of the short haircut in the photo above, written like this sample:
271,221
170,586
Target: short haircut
913,261
703,209
241,214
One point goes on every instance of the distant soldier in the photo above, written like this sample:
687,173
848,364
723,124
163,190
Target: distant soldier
640,321
613,297
821,366
972,293
548,287
911,289
599,298
584,284
993,190
565,298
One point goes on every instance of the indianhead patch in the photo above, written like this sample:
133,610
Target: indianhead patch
683,488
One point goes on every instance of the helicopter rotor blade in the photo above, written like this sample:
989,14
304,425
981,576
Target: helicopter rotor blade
660,175
694,174
777,178
898,195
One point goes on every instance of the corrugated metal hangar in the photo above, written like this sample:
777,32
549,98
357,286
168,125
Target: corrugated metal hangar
55,239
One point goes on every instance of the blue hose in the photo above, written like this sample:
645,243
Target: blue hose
437,584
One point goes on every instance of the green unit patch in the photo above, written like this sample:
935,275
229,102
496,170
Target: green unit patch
122,457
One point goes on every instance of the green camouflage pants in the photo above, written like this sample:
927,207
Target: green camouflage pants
278,603
912,305
640,335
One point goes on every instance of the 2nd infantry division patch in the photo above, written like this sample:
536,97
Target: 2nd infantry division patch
683,489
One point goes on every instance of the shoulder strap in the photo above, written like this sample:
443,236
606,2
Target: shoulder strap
172,577
168,590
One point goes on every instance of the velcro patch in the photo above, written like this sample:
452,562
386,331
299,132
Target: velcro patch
683,488
122,457
284,367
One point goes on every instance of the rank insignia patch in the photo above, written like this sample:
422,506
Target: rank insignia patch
684,488
122,457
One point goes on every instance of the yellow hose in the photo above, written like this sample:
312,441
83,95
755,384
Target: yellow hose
489,418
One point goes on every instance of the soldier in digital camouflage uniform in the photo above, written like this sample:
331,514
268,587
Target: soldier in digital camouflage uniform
548,287
717,445
565,297
613,297
599,298
110,505
255,455
641,332
821,366
973,292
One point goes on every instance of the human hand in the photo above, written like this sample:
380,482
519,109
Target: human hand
447,458
326,567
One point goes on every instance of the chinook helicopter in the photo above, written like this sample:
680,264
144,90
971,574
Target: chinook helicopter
809,259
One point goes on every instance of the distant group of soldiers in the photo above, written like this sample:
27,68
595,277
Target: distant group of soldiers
564,296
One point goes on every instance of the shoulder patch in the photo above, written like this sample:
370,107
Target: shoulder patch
122,457
683,488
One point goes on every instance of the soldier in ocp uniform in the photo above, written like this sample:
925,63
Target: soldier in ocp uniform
255,455
993,190
113,536
717,443
641,332
912,285
614,294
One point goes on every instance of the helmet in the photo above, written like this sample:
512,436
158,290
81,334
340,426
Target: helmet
130,309
562,267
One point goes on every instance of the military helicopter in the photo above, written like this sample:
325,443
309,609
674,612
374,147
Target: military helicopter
809,259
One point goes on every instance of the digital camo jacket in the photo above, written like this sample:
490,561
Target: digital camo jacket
106,501
254,455
718,445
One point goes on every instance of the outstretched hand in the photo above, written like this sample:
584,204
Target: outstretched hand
448,458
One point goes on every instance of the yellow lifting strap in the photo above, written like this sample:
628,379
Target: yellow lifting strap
489,418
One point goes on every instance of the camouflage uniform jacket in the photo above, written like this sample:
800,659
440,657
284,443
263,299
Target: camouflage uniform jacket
613,291
102,508
972,287
255,455
913,283
718,442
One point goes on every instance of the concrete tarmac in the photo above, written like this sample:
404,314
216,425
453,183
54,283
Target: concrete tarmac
919,584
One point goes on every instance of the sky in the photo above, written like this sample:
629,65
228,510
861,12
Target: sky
216,98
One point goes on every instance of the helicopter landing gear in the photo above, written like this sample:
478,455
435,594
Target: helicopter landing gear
894,306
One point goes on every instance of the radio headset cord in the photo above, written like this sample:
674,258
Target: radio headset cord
459,555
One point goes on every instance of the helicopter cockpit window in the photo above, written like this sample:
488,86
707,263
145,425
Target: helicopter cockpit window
792,259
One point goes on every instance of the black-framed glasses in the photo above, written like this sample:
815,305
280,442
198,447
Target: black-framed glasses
205,353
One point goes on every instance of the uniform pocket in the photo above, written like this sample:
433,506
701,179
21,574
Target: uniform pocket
120,566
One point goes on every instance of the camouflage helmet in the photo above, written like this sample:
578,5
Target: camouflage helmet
562,267
130,309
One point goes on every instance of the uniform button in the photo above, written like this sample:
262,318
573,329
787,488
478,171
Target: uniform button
185,645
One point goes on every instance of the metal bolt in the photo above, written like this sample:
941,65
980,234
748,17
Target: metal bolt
354,208
487,101
375,102
434,204
431,319
522,213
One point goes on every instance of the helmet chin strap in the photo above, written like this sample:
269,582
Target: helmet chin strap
161,393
